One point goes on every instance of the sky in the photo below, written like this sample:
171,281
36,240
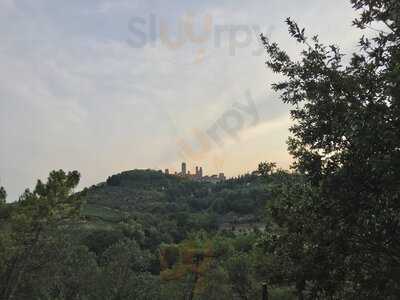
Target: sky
104,86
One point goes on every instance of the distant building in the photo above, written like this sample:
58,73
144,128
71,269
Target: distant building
183,169
198,174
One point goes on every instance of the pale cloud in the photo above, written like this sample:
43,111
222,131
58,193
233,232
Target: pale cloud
74,93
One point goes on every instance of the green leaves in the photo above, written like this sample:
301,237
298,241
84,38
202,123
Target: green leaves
295,31
240,273
37,214
345,142
266,168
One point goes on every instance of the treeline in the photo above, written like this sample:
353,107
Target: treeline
42,257
51,250
138,188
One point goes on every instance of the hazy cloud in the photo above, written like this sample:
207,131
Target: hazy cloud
75,94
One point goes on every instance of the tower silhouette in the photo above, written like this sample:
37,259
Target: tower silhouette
183,168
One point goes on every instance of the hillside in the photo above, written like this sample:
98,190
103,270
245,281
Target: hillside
141,234
175,206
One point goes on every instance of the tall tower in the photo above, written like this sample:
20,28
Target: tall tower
183,169
201,172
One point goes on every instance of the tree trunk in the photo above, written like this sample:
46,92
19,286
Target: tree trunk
264,291
300,286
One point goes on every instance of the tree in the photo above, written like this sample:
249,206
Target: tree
240,275
346,142
3,195
125,274
170,255
290,232
73,275
266,168
216,285
37,213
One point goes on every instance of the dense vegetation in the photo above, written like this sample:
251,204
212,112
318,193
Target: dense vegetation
341,228
328,230
139,235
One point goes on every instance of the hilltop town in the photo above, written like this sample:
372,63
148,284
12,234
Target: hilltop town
197,175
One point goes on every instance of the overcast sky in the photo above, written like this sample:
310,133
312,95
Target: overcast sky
103,86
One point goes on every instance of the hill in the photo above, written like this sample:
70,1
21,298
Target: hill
171,207
141,234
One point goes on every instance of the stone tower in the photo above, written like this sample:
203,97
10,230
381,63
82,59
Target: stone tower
183,169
